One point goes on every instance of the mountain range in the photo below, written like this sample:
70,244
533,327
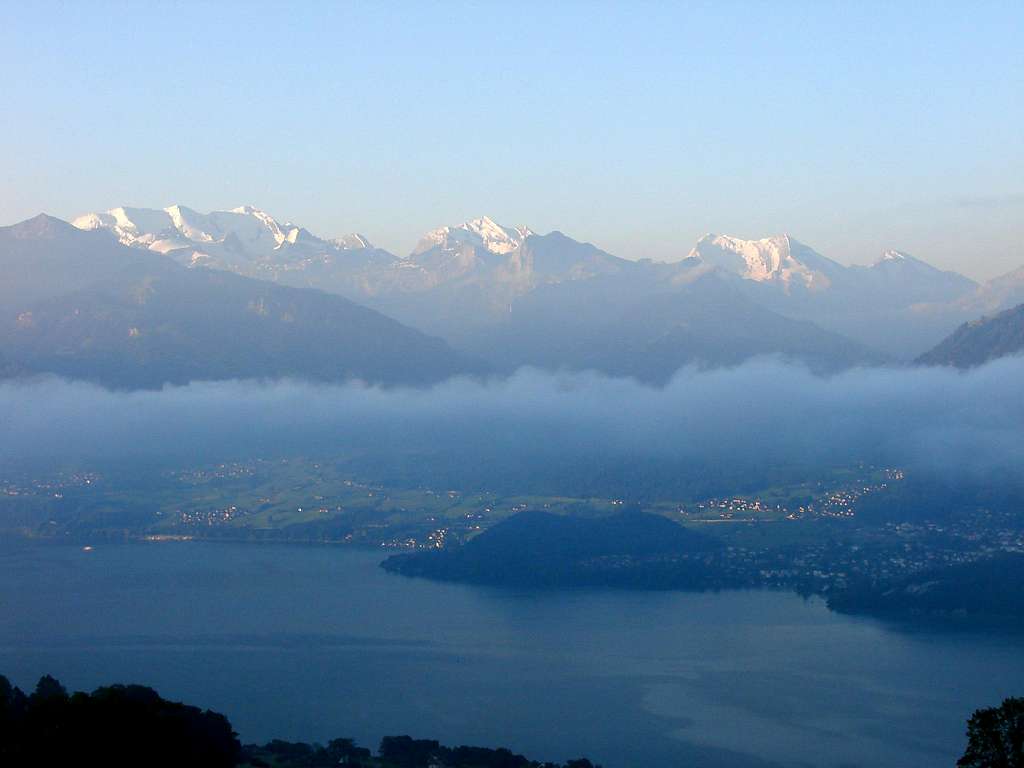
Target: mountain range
83,305
499,297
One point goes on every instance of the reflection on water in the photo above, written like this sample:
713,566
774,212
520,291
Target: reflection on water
311,643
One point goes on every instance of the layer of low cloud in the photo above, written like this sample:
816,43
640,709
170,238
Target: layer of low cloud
761,415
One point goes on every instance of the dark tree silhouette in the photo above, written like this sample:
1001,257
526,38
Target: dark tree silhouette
128,726
120,725
48,690
995,737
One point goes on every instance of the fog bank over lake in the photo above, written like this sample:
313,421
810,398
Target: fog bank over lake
760,414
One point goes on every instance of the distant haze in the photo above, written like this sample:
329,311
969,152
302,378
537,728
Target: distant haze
759,417
855,128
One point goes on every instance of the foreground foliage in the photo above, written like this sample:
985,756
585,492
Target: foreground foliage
131,725
117,725
995,737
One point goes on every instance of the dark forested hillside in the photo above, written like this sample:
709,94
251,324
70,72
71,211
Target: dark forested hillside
981,340
988,588
544,550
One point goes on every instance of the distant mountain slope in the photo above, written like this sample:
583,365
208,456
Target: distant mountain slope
783,264
650,320
900,280
985,588
999,293
898,305
81,305
981,340
464,289
44,257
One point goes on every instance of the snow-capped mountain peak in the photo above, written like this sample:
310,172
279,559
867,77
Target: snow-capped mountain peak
246,239
280,232
497,238
779,259
351,241
891,255
483,231
892,261
180,227
900,274
132,226
94,221
762,259
249,210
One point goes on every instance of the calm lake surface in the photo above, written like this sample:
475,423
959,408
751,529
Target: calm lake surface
308,643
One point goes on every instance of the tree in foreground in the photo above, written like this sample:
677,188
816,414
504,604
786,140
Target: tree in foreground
118,725
129,726
995,737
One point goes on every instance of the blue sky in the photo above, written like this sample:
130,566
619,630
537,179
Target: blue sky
854,127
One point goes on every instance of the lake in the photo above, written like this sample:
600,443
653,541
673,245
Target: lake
308,643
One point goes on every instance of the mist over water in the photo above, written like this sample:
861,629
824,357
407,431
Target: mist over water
765,413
